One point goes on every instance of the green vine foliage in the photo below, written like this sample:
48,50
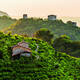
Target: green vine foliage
50,65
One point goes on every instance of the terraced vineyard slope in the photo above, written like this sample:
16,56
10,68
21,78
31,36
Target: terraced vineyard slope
45,63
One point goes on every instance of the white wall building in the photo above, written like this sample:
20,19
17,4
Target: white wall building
52,17
24,16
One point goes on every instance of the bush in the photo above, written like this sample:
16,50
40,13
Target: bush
44,34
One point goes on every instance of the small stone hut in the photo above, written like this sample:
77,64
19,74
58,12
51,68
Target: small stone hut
74,23
21,49
52,17
24,16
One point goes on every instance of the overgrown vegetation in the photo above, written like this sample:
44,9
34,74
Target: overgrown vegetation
65,44
50,65
57,27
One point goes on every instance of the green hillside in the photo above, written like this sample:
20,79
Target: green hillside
6,22
58,27
51,65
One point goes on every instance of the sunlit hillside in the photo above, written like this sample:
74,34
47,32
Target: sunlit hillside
57,27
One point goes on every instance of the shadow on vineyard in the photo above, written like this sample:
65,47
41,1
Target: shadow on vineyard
50,65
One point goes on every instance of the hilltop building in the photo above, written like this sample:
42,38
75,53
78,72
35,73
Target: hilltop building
24,16
72,23
52,17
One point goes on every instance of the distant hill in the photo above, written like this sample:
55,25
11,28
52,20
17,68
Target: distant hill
44,64
3,13
31,25
6,21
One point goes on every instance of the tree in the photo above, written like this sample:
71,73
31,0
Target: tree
44,34
63,44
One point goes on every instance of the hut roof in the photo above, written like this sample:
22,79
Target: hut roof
24,14
23,44
51,15
20,48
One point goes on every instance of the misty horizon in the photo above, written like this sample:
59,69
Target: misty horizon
41,8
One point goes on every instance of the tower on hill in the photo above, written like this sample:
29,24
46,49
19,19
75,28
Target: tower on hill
24,16
52,17
72,23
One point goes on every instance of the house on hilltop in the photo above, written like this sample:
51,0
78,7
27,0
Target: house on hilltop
52,17
72,23
24,16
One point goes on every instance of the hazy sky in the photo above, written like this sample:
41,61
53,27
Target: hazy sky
41,8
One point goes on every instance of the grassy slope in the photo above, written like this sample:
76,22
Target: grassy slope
5,22
57,27
51,65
